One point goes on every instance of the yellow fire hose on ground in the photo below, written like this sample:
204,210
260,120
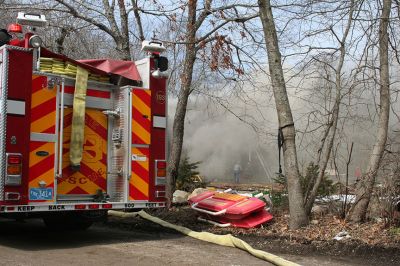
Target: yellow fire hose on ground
223,240
78,118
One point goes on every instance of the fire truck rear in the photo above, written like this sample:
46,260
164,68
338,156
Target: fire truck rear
78,138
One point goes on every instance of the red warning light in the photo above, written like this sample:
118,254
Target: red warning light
14,28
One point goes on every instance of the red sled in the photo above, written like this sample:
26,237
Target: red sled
225,209
253,220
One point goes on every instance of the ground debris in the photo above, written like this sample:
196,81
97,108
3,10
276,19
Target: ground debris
323,228
373,241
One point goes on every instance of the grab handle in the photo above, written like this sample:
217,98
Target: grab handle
194,207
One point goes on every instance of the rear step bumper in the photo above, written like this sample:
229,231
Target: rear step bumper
79,206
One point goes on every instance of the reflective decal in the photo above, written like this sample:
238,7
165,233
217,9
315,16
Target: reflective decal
139,158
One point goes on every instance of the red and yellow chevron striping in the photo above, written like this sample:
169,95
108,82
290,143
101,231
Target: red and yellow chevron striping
43,120
43,106
92,174
41,168
141,116
139,182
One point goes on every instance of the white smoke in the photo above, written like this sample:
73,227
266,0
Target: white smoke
243,128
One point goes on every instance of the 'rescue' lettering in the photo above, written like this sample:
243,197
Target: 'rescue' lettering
25,208
151,205
56,207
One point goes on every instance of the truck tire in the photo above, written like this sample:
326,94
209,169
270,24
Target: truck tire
67,222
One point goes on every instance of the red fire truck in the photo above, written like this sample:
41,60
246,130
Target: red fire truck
78,138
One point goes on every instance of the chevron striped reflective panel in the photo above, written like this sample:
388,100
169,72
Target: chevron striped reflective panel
141,127
43,137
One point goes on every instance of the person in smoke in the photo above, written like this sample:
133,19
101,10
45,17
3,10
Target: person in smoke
237,169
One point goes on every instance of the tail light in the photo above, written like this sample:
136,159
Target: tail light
80,206
160,194
14,169
160,172
12,196
94,206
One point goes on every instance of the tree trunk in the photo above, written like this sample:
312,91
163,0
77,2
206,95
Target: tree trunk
309,201
366,184
124,47
138,20
60,40
298,216
179,118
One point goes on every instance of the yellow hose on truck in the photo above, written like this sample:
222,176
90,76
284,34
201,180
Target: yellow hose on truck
223,240
78,118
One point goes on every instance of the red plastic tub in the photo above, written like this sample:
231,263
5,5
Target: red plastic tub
229,206
253,220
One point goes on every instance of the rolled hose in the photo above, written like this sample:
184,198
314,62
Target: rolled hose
222,240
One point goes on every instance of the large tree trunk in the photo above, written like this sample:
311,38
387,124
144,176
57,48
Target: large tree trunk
328,144
179,118
366,184
122,47
298,216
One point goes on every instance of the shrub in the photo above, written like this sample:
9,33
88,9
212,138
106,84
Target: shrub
326,187
188,176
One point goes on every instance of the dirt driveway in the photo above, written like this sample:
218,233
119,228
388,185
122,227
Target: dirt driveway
30,243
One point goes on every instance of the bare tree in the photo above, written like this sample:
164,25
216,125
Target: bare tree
186,81
298,216
117,27
195,39
329,136
366,184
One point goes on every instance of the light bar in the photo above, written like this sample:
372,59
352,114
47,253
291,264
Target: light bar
31,19
153,47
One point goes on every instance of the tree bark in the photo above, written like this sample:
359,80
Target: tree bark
124,45
138,20
179,118
60,40
365,186
298,216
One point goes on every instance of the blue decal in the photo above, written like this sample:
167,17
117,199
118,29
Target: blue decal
41,193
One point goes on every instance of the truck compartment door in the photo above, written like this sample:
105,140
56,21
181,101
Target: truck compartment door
43,138
90,179
141,139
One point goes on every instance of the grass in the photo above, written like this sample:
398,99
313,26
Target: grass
395,230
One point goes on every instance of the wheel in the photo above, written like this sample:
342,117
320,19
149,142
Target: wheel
66,222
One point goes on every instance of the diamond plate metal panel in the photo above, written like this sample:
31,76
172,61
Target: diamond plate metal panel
119,173
3,117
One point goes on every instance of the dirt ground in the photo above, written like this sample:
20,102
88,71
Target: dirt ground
135,241
370,243
30,243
